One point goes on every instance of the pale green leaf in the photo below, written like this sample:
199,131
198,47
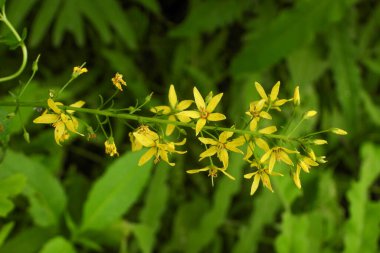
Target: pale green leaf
115,192
58,245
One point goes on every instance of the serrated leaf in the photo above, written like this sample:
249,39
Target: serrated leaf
115,192
45,194
358,232
43,20
58,245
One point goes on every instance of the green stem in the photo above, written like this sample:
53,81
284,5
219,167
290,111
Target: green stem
24,50
64,86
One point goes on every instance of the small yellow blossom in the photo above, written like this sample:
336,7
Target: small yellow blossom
212,172
272,100
305,163
143,130
220,147
60,119
77,71
118,81
256,112
157,149
205,111
172,110
262,174
261,143
110,147
296,97
277,154
338,131
310,114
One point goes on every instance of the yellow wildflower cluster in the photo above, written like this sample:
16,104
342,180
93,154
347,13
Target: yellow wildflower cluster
256,141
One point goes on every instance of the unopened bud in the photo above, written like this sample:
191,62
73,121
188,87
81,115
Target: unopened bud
35,64
319,142
338,131
26,136
296,97
309,114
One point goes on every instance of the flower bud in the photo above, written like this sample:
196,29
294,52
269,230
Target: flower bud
319,142
309,114
338,131
77,71
35,64
296,97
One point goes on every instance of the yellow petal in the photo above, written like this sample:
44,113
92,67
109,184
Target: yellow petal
77,104
144,140
214,102
169,129
262,144
280,102
200,124
266,181
266,156
53,106
216,117
197,170
172,96
199,101
183,118
224,136
259,105
208,141
265,115
227,174
272,161
274,92
253,124
285,158
250,175
147,156
255,184
184,104
296,177
209,152
161,109
223,157
164,155
268,130
46,118
261,91
59,132
189,114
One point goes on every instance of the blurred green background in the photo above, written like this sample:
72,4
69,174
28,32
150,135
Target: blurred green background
74,199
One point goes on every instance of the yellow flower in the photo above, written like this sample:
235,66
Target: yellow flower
277,154
77,71
305,163
143,130
118,81
61,120
271,100
205,111
111,147
296,97
157,149
260,174
174,108
220,147
261,143
256,112
212,172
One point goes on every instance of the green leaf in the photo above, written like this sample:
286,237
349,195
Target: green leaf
151,5
292,29
43,20
210,221
10,186
346,74
45,194
206,16
27,240
115,192
58,245
154,207
5,230
2,2
363,215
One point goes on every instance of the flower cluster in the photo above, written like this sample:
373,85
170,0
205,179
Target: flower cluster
257,141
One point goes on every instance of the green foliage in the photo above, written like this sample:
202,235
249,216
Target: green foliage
73,199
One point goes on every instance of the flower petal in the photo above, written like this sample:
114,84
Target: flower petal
172,96
147,156
224,136
189,114
227,174
59,132
208,141
46,118
53,105
197,170
268,130
161,109
255,184
200,124
214,102
274,91
209,152
199,101
262,144
144,140
184,104
266,156
261,91
265,115
266,181
216,117
296,177
223,157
